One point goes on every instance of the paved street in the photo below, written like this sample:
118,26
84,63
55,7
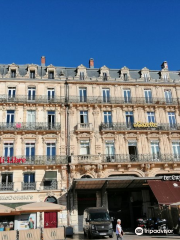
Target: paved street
133,237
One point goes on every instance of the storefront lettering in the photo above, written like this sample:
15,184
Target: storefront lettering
12,160
171,178
17,197
145,125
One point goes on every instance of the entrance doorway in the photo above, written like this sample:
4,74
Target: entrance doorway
50,218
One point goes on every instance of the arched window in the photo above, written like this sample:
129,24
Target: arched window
86,176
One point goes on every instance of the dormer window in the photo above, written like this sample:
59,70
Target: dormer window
13,73
32,74
165,77
51,75
81,75
145,77
125,76
104,76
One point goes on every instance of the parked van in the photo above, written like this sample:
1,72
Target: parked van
97,222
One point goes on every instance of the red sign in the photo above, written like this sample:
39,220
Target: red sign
12,160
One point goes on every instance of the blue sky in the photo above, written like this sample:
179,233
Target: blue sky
116,33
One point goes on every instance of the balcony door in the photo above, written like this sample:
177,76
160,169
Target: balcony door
51,94
108,118
84,148
129,119
151,117
168,96
127,95
29,181
172,119
8,150
51,151
31,93
82,94
155,151
110,151
6,182
176,150
11,92
132,149
10,117
31,118
106,95
30,151
148,96
51,119
83,118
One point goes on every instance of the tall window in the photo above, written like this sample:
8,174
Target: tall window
165,78
51,150
83,117
30,151
110,148
151,117
51,93
31,116
7,181
51,119
11,92
31,93
168,96
148,95
13,73
106,95
51,74
32,74
127,95
129,119
155,150
84,148
176,149
81,75
82,94
145,77
10,117
108,117
125,76
8,150
104,76
172,119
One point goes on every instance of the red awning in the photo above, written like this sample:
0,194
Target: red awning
164,191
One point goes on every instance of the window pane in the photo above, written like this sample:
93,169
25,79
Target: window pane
26,178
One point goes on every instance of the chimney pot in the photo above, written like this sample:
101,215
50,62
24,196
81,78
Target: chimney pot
43,61
164,65
91,63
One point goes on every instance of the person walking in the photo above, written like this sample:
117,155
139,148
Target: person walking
119,230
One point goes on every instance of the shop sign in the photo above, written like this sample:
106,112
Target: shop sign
12,160
17,197
171,178
145,125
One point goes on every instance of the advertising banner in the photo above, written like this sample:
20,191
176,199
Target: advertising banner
53,233
31,234
25,221
8,235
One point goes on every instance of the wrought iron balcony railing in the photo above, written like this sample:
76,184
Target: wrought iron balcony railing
86,158
124,100
84,127
7,186
50,185
123,158
34,160
28,186
31,99
139,126
25,126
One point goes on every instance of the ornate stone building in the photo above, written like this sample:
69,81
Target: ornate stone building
59,124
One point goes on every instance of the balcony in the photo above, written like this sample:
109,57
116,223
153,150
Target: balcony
25,126
138,126
7,186
50,185
34,160
127,158
120,100
86,159
28,186
31,99
84,127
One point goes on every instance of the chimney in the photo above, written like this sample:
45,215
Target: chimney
91,63
43,61
164,65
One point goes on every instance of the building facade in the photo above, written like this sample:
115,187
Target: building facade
59,124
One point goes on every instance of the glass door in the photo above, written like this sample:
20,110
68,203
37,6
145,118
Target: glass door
176,150
31,93
51,94
172,119
127,96
148,96
82,94
106,95
30,151
168,96
155,150
51,119
51,151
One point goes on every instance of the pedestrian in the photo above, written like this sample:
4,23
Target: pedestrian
119,230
